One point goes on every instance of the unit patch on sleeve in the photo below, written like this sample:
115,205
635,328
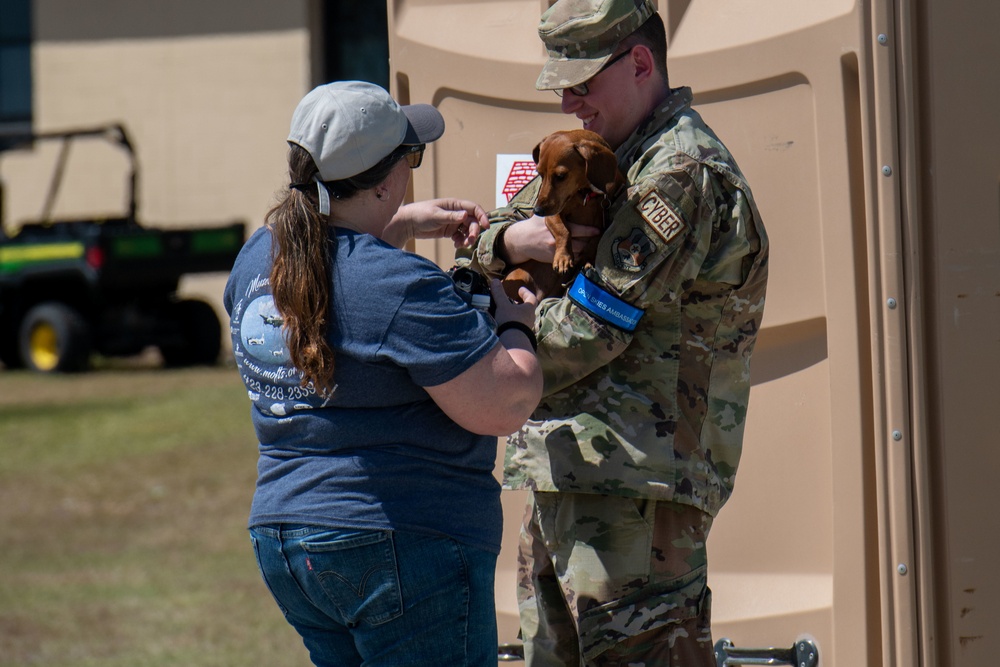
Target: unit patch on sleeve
660,215
631,252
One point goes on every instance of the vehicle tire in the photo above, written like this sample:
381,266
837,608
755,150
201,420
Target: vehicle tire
54,338
10,353
198,335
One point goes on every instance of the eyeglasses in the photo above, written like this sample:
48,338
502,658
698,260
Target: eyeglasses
415,155
582,89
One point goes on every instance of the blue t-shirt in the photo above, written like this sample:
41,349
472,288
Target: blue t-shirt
378,453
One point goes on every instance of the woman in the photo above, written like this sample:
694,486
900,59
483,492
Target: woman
377,396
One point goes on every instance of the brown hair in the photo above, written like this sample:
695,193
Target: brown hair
300,270
300,279
653,35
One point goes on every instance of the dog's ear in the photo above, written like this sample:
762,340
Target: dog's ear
602,165
536,151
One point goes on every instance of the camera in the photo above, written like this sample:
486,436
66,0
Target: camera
473,288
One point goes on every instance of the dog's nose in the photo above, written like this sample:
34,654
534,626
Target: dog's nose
540,212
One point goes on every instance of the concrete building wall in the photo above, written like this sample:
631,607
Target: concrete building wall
205,89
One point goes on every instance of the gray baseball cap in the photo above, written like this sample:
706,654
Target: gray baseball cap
581,35
348,126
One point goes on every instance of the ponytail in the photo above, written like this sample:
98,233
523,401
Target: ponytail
300,271
300,276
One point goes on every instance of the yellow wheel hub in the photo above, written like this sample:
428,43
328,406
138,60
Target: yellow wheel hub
44,347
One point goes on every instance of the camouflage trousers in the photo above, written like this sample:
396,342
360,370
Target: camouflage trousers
609,580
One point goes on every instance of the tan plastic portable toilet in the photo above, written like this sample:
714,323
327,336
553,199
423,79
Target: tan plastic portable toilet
862,519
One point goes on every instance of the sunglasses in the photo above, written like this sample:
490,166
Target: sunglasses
415,155
582,89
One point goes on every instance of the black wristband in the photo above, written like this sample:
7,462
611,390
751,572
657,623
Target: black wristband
523,328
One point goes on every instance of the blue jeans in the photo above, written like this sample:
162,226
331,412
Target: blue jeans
381,597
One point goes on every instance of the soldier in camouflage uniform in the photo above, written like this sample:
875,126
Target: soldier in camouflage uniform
635,446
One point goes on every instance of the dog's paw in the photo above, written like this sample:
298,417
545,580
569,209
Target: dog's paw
562,264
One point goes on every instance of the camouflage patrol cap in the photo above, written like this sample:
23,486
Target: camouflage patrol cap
581,35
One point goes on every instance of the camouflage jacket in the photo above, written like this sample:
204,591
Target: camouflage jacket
659,411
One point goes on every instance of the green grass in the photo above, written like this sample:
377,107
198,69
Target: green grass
123,501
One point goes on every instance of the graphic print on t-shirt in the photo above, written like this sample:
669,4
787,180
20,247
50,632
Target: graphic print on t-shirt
273,384
260,331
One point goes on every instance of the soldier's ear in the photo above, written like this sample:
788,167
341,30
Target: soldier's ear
642,63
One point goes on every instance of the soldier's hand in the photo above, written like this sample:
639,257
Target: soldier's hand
528,239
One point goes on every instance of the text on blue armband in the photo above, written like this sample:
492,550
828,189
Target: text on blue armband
604,306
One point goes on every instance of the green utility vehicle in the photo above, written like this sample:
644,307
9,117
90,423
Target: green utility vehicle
70,288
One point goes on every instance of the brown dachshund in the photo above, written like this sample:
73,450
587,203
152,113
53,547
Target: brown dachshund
580,178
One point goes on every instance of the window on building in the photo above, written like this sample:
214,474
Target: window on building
15,67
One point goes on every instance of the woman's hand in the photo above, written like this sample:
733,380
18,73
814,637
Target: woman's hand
458,219
507,310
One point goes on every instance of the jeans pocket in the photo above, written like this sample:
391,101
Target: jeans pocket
260,568
356,573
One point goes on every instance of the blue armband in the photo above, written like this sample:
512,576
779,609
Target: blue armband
604,306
